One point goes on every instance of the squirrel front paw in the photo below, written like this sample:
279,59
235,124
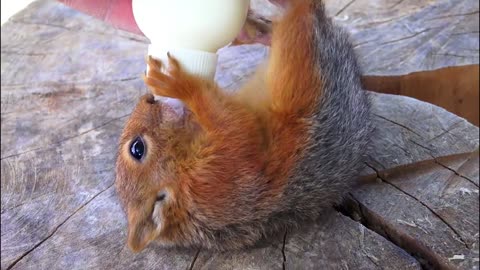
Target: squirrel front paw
176,84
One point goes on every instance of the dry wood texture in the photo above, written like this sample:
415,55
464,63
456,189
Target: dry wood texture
453,88
69,82
395,38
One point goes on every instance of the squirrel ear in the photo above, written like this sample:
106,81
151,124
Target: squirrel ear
139,235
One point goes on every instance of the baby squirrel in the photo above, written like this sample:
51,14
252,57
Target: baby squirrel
246,165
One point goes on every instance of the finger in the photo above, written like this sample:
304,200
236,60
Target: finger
253,32
118,13
153,63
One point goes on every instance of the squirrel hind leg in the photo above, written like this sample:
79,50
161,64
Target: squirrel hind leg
293,79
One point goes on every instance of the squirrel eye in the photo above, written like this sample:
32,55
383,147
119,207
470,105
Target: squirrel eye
137,149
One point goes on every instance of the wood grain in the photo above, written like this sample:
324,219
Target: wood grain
69,82
426,50
452,88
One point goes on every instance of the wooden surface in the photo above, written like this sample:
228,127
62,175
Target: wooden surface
452,88
69,83
395,37
420,49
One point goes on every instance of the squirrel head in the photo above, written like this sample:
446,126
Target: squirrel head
151,196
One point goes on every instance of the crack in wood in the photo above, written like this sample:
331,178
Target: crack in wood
363,43
446,131
455,172
398,124
40,23
283,250
376,23
353,209
396,4
371,158
427,258
452,15
435,159
194,260
390,41
454,55
384,179
465,33
422,146
57,227
344,8
404,38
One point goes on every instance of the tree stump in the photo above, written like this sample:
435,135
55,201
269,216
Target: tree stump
422,50
69,82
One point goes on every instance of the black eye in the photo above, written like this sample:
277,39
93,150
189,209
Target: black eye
160,197
137,149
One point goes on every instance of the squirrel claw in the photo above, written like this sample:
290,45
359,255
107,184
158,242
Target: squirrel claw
175,84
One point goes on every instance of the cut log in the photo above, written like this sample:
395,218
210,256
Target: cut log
452,88
396,38
69,82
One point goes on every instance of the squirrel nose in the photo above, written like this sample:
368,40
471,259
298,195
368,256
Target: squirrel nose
148,98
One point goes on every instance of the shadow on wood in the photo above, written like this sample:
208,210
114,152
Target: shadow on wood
452,88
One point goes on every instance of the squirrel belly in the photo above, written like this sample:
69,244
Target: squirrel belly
288,145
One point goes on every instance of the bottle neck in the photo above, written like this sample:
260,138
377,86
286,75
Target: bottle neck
195,62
